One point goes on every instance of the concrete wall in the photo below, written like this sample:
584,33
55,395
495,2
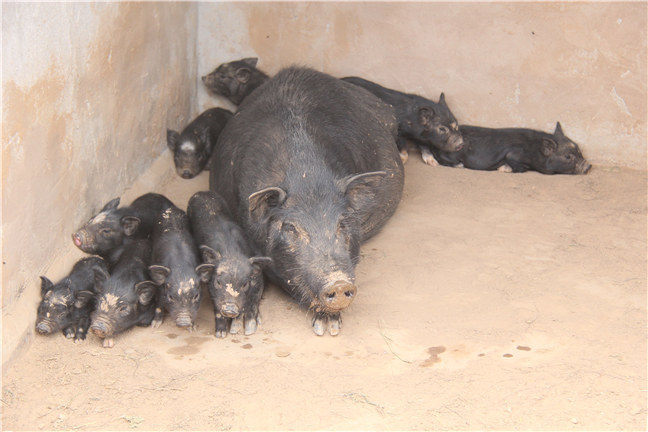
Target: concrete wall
88,91
499,64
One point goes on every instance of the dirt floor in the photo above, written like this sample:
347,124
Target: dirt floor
489,301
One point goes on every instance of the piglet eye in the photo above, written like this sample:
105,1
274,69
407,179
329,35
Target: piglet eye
569,157
123,309
105,232
195,297
289,228
442,129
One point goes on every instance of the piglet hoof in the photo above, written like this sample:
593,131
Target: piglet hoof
220,334
403,155
108,343
319,322
334,324
428,158
69,333
459,165
80,337
156,323
251,326
505,168
237,324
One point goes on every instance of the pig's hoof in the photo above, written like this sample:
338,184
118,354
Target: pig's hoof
334,324
428,158
251,326
403,155
156,323
459,165
505,168
237,324
221,334
80,337
69,333
108,343
319,323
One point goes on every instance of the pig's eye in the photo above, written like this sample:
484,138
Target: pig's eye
289,228
105,232
168,297
195,297
123,309
443,129
569,157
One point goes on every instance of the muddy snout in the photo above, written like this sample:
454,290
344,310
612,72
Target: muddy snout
99,328
43,327
338,295
230,310
183,320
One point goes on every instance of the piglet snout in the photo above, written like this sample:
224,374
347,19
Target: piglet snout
183,320
338,295
99,328
43,328
230,310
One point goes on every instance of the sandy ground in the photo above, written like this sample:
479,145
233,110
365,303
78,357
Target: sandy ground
490,301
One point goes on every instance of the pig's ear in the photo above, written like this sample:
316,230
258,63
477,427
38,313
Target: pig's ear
172,139
548,147
205,272
358,188
558,133
46,285
243,74
442,100
100,277
82,298
261,261
209,255
112,204
204,137
261,201
130,224
145,292
159,274
251,61
425,116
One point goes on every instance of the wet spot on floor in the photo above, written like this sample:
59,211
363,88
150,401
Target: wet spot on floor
434,355
183,350
246,346
235,341
172,335
523,348
349,353
481,355
282,353
507,355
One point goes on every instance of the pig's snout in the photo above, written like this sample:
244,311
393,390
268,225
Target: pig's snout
77,238
584,167
186,174
183,320
230,310
99,328
338,295
43,327
457,143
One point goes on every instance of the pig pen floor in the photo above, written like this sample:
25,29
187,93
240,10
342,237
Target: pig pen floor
489,301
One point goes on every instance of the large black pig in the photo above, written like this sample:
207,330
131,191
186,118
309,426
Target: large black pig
67,305
310,167
125,297
516,150
192,148
427,123
236,285
106,231
235,80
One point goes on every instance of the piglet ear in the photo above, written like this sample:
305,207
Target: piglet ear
111,205
100,277
558,132
130,224
205,272
83,298
209,255
145,292
261,261
251,61
159,274
442,100
425,116
359,188
46,285
243,74
548,147
172,139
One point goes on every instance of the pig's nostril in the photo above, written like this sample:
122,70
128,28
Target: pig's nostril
349,293
330,295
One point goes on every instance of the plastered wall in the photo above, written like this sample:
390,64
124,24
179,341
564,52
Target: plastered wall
499,64
87,93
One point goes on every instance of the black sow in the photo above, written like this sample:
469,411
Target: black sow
310,168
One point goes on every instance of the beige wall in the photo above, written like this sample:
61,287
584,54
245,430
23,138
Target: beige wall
88,90
500,65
